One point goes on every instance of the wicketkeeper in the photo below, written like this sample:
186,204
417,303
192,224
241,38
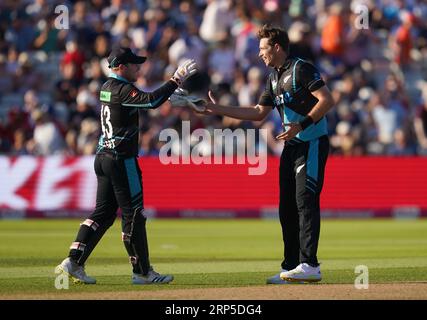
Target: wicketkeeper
116,166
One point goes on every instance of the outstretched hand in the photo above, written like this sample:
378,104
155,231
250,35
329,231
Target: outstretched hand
294,129
180,98
209,106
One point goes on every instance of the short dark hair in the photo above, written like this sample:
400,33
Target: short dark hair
274,35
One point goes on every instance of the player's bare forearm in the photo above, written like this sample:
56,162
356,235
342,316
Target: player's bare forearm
255,113
242,113
325,103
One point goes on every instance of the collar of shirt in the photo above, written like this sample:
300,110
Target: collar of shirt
116,76
284,67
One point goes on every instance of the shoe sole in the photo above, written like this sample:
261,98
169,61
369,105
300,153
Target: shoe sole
301,280
282,282
75,280
150,283
285,283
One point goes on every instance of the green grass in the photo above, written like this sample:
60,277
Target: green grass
211,253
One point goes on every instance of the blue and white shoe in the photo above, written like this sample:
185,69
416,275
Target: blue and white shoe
152,277
276,279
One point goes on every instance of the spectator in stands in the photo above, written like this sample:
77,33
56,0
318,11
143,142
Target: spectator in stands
300,39
401,146
217,21
16,120
188,46
6,78
101,45
136,29
352,59
94,72
26,77
221,63
252,89
49,38
343,141
111,11
74,56
20,33
85,109
246,45
85,24
12,64
121,26
66,87
401,42
19,147
87,140
420,124
71,143
333,32
388,118
357,42
148,143
47,139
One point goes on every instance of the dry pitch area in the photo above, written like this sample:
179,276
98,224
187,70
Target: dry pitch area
395,291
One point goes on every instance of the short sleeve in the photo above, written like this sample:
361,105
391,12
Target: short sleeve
309,77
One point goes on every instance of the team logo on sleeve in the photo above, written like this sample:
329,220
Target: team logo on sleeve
105,96
133,93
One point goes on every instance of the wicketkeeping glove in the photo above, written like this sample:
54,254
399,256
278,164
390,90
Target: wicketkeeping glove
184,71
180,98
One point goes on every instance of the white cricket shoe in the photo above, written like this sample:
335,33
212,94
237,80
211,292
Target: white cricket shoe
303,272
76,272
152,277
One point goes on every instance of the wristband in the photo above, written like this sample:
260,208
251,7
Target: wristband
177,81
306,122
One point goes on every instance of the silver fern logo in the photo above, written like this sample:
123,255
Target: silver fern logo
274,84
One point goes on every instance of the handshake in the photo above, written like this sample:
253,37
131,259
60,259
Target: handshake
181,97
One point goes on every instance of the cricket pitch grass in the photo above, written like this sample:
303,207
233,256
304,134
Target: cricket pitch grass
219,259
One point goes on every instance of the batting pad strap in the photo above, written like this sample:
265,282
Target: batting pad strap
78,246
133,260
126,236
90,223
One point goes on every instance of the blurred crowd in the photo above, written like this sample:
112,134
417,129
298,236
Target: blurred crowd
372,54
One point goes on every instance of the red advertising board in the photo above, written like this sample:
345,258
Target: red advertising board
63,186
